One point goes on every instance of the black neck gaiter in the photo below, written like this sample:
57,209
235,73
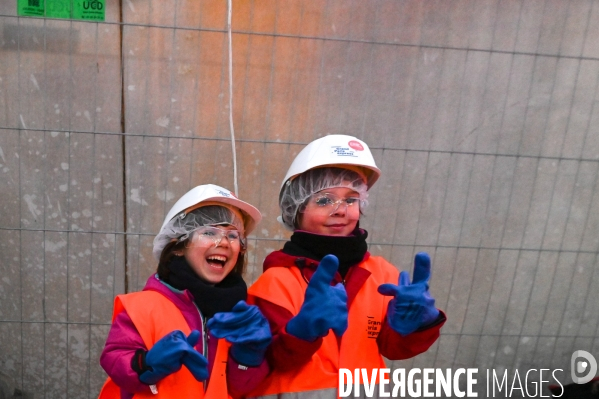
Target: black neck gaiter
209,298
350,250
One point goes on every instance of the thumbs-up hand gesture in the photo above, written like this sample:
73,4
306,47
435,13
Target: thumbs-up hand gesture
412,306
324,307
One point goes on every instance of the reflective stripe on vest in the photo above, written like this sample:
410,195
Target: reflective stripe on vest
285,287
154,316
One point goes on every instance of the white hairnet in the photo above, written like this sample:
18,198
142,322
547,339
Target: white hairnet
181,226
295,192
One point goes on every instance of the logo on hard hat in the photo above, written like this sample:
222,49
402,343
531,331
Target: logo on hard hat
356,145
225,193
341,151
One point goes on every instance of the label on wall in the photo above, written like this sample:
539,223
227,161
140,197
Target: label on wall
88,10
30,8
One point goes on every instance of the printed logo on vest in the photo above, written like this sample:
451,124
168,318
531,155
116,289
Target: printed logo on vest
374,327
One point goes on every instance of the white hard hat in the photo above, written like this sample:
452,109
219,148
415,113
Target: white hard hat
212,193
336,150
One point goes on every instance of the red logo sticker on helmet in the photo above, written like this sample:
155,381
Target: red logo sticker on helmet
356,145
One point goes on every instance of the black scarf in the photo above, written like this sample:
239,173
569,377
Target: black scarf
350,250
209,298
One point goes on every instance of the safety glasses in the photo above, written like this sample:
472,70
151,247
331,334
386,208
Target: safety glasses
331,203
209,235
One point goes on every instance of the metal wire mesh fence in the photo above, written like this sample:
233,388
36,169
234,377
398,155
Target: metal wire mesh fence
482,116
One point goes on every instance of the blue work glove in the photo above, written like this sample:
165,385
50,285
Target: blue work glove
246,329
412,306
170,353
324,307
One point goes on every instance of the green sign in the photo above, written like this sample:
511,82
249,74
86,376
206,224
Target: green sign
88,10
30,8
58,9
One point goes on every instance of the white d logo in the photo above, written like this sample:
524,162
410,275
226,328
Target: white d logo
578,366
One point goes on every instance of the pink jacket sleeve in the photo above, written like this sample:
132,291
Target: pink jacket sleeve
241,379
122,342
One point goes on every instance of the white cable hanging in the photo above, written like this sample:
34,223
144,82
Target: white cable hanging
229,12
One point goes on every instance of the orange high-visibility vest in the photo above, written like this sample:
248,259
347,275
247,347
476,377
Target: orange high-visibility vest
155,316
285,286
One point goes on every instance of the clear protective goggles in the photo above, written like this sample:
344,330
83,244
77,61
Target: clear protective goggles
207,236
298,193
331,203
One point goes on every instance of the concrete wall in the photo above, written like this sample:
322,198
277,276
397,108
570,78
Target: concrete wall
482,115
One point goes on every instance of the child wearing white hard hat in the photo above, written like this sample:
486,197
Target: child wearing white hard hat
159,341
330,304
